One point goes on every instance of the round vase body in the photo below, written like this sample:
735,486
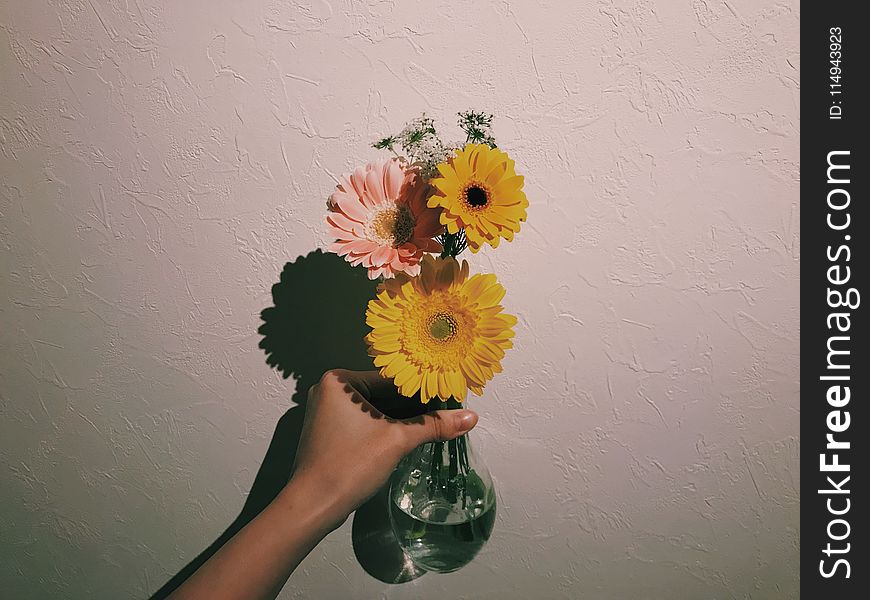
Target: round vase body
442,505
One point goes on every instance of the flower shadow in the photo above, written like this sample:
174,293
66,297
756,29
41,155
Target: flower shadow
316,324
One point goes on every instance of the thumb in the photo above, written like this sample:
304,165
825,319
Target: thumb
441,425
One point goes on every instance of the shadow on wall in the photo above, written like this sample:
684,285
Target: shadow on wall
317,323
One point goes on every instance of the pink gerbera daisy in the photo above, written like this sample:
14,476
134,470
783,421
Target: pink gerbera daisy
380,220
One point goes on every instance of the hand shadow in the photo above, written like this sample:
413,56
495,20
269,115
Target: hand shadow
317,323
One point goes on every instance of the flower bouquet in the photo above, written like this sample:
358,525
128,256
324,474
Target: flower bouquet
436,329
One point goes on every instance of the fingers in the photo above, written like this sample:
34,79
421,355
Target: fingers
442,425
379,393
370,386
368,383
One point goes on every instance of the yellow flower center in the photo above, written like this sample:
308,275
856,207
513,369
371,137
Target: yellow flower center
442,326
437,329
476,195
392,226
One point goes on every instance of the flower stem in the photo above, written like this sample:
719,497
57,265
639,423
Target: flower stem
448,474
453,243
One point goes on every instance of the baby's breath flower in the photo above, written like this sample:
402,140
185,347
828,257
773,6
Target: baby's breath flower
477,127
386,143
430,154
416,134
423,147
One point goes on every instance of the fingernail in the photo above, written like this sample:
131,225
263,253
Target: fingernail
466,420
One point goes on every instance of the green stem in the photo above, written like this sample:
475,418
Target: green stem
447,474
452,471
453,243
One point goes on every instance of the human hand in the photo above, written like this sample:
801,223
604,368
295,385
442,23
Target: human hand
348,448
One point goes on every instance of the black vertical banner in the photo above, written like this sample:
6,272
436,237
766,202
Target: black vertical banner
835,369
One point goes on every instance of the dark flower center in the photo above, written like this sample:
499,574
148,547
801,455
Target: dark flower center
442,326
476,196
393,226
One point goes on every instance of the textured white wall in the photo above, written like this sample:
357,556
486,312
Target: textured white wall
161,161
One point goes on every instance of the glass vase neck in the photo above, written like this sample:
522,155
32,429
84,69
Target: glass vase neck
449,404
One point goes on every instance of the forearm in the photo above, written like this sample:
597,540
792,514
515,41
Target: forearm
257,561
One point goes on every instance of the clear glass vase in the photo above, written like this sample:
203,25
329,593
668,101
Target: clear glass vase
442,505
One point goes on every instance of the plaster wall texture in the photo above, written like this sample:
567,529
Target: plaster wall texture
161,161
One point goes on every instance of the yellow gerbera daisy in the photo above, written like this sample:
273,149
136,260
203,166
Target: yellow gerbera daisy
440,333
480,191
